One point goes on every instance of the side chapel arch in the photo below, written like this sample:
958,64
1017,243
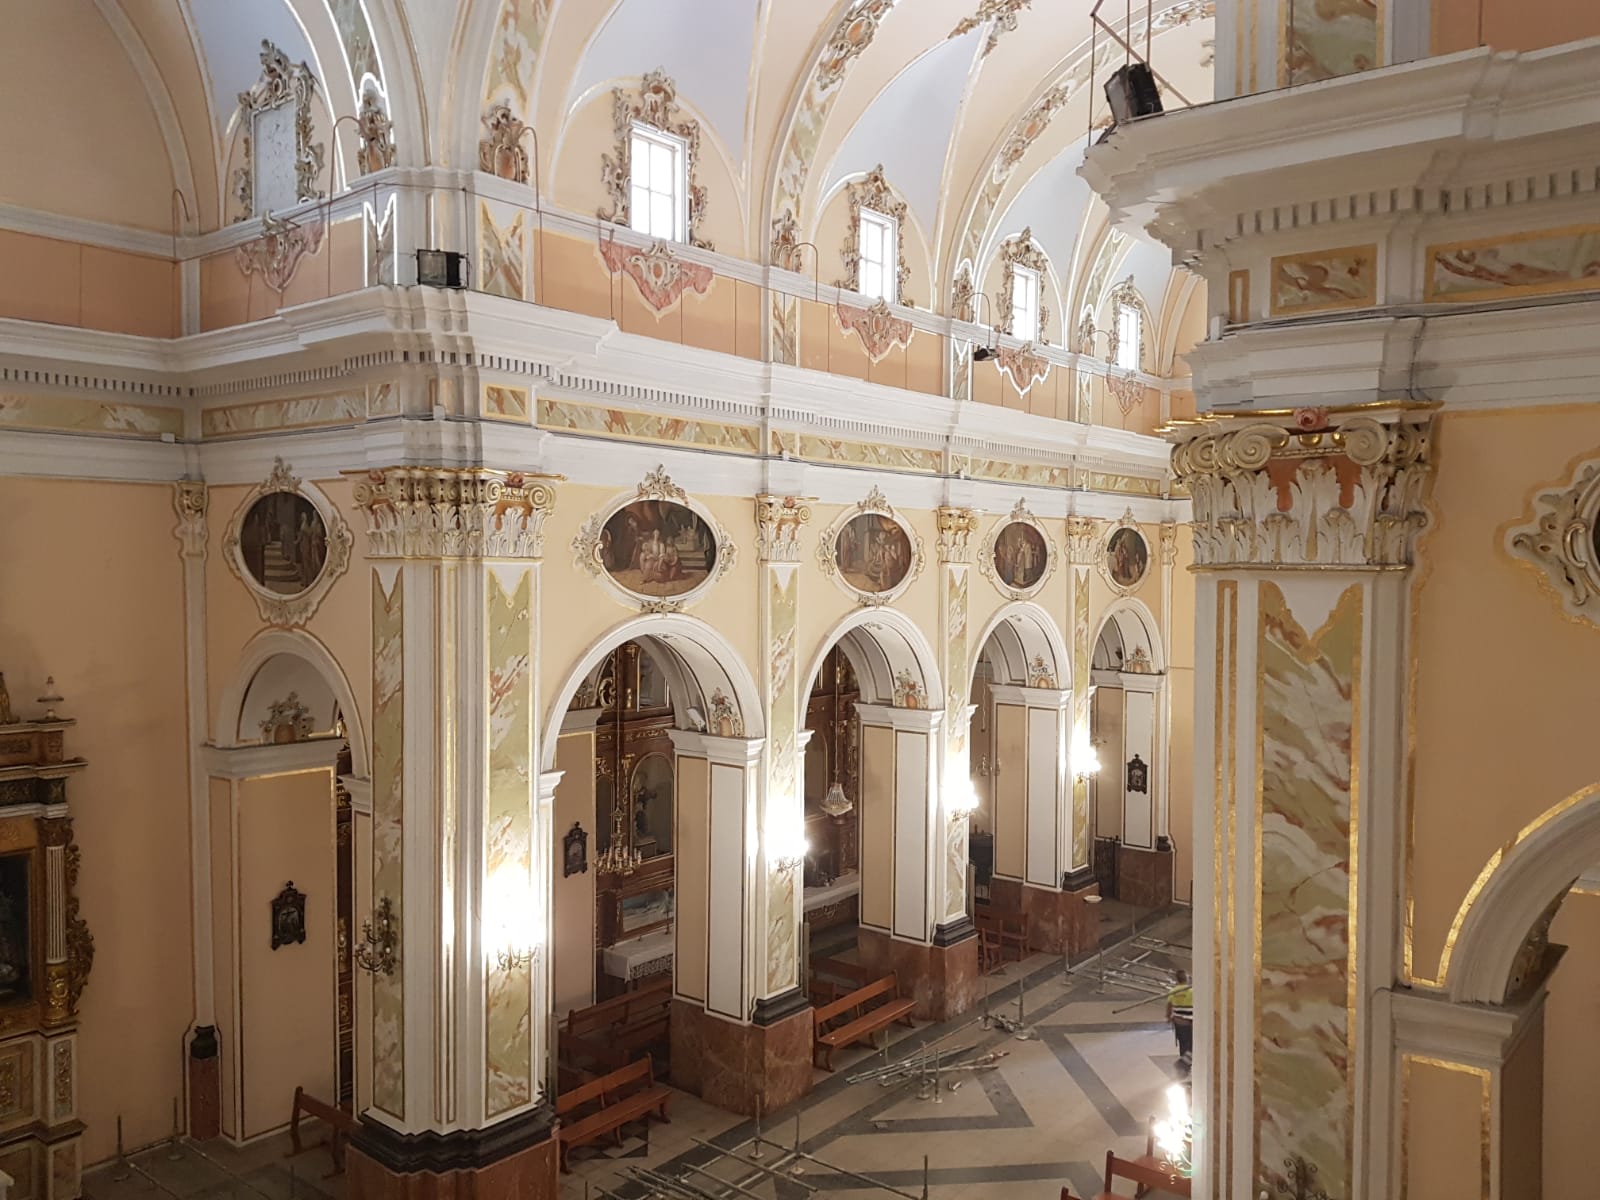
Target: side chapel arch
1029,650
294,643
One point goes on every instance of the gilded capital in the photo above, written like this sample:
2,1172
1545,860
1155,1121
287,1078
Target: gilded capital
454,512
189,501
956,527
1083,541
1169,543
1312,488
778,523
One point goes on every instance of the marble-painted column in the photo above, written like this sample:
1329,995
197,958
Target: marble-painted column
1083,551
1161,782
460,842
957,528
1303,531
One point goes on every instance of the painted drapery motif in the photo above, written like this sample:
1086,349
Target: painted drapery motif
1558,260
508,881
1309,699
388,763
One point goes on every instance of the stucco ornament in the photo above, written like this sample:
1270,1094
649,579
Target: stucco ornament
282,547
660,275
874,193
281,83
655,104
1561,541
277,254
878,328
454,512
1001,17
377,135
1021,251
500,150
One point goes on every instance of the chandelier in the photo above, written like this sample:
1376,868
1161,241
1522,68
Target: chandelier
618,858
836,803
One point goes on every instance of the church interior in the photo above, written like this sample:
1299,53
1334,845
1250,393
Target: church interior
755,600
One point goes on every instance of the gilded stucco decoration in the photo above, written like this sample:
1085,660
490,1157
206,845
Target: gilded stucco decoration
660,275
1022,251
287,544
1083,541
1017,555
878,328
1086,331
779,520
1304,513
908,690
1168,539
1126,295
454,512
1041,674
277,254
500,150
1532,963
281,83
655,548
874,194
961,293
376,131
655,104
1126,389
956,527
999,15
871,551
786,241
1560,540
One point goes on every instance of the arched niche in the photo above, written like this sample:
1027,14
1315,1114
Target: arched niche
892,659
1129,730
236,723
1023,647
287,700
1127,641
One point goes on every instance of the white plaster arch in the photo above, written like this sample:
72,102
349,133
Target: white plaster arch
880,644
1023,632
1516,885
1135,625
696,659
268,644
462,105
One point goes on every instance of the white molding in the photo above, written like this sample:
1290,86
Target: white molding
360,793
909,720
15,218
1472,1034
253,762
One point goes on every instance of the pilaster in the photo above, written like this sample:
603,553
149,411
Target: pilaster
958,527
1083,551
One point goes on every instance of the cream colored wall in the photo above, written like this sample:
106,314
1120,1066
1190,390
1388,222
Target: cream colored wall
1487,635
224,979
1443,1114
1011,790
288,1024
573,920
692,861
89,145
877,826
94,597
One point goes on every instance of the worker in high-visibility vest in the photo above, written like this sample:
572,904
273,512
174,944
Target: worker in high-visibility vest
1180,1012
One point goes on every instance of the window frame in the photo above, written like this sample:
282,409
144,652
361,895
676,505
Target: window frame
678,148
1129,350
1035,280
889,266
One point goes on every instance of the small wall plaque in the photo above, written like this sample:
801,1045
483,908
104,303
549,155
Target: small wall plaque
288,916
575,851
1138,775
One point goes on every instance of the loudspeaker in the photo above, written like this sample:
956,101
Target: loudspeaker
442,268
1131,92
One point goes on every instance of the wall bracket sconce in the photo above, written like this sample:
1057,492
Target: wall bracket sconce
511,960
375,953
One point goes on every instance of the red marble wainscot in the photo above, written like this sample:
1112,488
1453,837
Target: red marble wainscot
941,980
734,1066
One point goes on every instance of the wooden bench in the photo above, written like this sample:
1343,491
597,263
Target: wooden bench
833,977
614,1032
603,1106
860,1020
1146,1177
341,1125
1002,933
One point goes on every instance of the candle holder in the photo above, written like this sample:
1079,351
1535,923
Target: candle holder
51,698
375,953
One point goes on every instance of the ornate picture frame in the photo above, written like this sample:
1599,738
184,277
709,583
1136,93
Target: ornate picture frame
1117,546
592,544
288,917
289,607
281,83
989,567
575,851
1559,539
875,504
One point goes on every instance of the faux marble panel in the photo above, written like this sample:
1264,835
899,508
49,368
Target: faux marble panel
1557,260
1309,700
300,412
383,401
1080,712
1323,39
740,1067
865,454
502,403
942,980
1015,472
955,723
647,427
508,854
1122,485
784,793
79,414
388,809
501,254
1320,280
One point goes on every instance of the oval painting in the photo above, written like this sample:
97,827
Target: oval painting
1127,557
1020,556
657,548
873,553
283,543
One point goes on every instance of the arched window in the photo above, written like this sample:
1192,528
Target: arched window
658,181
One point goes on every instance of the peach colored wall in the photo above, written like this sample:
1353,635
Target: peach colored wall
223,978
1444,1136
1510,25
230,297
1107,726
88,287
1191,331
95,599
573,919
1487,633
89,145
288,1023
1572,1051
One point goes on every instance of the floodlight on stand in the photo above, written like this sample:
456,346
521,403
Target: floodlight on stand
441,268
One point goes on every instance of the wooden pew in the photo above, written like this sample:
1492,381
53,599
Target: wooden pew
341,1125
612,1034
833,977
1002,933
860,1021
603,1106
1147,1179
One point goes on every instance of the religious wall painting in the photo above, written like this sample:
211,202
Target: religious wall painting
873,553
642,912
651,805
1017,557
1323,39
575,851
656,547
1323,280
1555,260
287,544
1127,557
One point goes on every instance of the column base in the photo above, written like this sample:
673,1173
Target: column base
737,1067
205,1085
513,1161
1144,877
1058,921
942,980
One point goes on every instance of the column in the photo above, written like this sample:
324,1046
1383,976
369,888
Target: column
957,529
905,820
454,944
1083,551
725,1048
1303,531
1161,783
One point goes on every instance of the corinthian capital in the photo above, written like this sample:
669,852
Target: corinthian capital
189,500
956,527
1310,488
454,512
778,523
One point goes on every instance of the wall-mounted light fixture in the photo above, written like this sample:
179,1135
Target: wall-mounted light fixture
510,928
786,851
963,800
375,952
1085,762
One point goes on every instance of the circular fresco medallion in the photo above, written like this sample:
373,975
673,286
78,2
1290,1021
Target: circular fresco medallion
657,548
1127,557
283,543
1020,556
873,553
